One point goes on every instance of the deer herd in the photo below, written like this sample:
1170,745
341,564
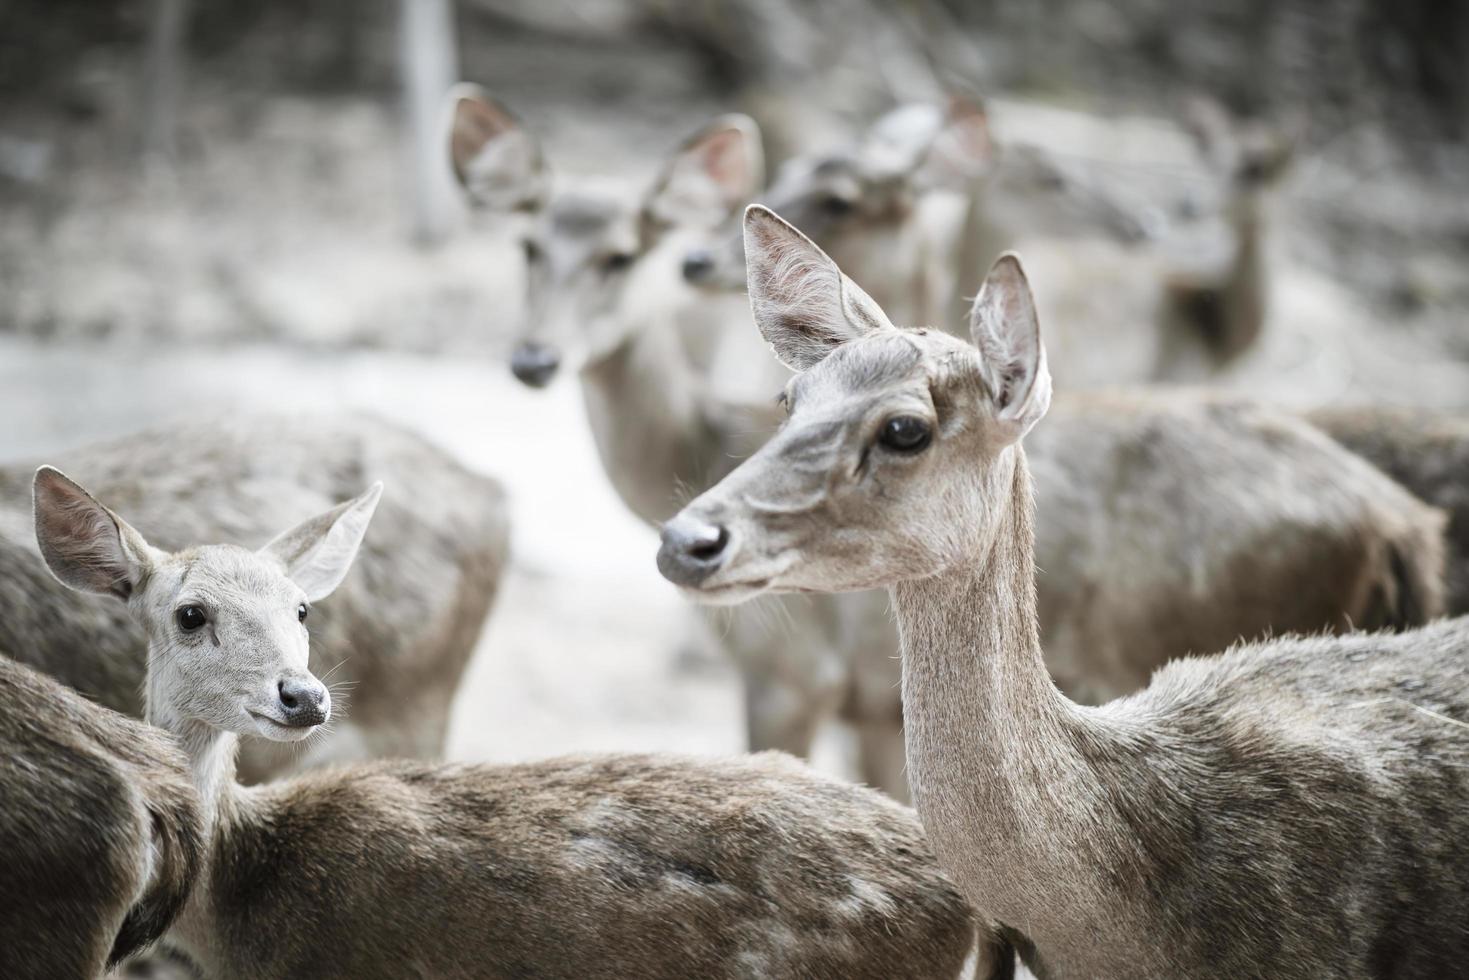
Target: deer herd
1145,681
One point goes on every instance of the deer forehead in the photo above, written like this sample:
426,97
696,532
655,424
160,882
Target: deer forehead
882,363
226,577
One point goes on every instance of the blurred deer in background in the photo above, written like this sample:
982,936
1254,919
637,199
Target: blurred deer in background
586,866
1427,452
1294,808
605,300
927,198
403,627
100,827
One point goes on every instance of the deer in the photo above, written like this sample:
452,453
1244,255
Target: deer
656,866
600,261
101,830
1297,807
396,643
1142,565
928,194
1426,451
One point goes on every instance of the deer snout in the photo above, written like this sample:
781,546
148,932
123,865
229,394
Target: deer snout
304,702
534,364
691,550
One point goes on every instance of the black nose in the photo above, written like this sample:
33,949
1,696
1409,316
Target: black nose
691,550
698,266
535,364
303,702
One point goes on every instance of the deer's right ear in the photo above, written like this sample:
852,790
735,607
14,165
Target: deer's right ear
1005,328
804,306
86,546
497,162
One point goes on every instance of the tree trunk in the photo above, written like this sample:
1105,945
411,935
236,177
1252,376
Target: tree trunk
163,74
428,66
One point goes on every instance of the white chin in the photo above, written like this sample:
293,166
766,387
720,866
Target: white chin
277,732
725,595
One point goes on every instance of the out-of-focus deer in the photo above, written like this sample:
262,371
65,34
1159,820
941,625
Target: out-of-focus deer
927,199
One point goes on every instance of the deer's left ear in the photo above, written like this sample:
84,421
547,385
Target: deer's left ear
1013,367
715,172
319,551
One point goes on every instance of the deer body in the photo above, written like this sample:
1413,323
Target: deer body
610,866
1139,838
393,638
1294,808
1425,451
100,827
605,866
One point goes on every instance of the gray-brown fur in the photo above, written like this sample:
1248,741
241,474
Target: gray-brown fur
100,827
607,866
1172,523
1427,452
1288,809
402,627
594,866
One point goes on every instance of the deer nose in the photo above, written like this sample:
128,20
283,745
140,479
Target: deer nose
698,266
691,550
304,702
535,364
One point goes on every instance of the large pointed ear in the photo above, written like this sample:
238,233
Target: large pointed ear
497,162
804,306
963,151
86,546
318,552
1012,358
934,147
713,173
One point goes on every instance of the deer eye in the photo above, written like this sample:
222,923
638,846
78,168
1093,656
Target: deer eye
190,618
905,433
301,612
835,206
617,262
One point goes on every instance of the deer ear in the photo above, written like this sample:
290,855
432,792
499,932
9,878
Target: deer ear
318,552
1012,358
804,306
497,162
935,147
962,151
86,546
714,172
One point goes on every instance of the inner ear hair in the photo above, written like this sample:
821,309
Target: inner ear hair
85,545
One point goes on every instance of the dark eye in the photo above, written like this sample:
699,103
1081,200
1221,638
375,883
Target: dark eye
533,253
190,618
617,261
301,612
905,433
836,207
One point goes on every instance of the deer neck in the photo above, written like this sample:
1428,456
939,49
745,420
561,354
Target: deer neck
211,753
643,405
1004,768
